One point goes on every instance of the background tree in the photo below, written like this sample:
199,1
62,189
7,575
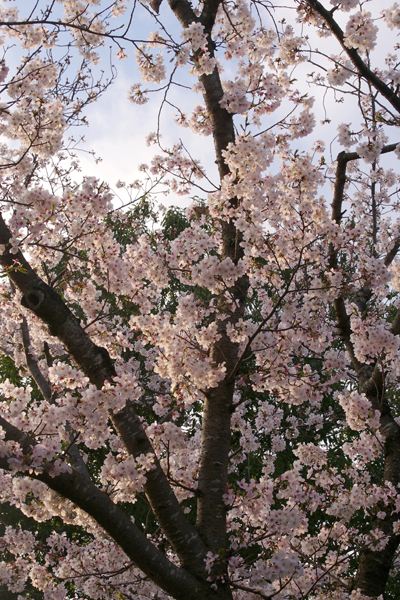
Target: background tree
202,405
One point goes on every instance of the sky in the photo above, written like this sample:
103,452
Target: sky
117,128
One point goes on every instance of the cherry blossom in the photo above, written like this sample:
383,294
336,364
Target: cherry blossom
201,403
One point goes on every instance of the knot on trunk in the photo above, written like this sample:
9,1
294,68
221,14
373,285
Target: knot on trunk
33,299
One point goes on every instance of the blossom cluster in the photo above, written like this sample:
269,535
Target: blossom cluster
258,300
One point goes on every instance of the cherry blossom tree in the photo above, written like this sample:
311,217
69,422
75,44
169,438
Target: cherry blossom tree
204,404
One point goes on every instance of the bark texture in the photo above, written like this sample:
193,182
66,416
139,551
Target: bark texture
374,566
190,543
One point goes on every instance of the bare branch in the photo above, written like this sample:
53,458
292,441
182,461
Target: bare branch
354,56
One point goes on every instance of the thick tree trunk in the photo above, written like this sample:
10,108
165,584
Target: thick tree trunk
191,544
216,425
213,468
374,566
373,569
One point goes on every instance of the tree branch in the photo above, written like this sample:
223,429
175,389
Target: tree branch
342,317
374,566
44,386
96,364
354,56
78,489
32,365
216,432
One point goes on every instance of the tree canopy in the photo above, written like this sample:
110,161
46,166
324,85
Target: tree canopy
202,403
